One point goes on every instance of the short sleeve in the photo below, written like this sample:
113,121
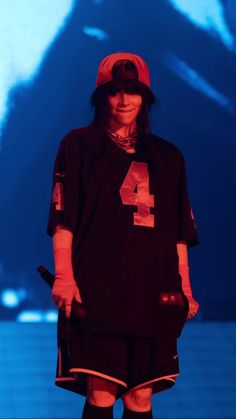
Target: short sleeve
187,229
65,201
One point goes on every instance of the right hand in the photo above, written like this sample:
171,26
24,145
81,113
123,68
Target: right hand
64,289
64,292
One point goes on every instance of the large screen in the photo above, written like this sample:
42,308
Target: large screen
49,54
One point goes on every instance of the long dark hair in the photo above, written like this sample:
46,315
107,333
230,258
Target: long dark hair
125,77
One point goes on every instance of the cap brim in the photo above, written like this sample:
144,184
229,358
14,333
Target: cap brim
131,85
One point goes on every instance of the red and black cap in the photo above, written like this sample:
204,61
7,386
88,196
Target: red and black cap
123,69
105,68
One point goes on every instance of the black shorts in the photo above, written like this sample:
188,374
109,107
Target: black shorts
129,361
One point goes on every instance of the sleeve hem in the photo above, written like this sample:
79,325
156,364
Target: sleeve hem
51,228
190,242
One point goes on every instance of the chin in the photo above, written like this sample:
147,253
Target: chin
125,121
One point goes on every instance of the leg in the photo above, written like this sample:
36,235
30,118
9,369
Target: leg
139,400
101,392
101,396
137,403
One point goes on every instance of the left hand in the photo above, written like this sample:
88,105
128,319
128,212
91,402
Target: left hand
193,307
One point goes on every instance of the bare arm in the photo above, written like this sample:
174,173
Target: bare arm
184,273
182,253
64,288
62,238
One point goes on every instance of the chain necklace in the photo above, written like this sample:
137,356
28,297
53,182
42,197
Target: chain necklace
125,143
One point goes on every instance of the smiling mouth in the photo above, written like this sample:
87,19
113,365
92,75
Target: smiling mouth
124,110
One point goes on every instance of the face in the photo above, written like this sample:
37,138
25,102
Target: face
124,107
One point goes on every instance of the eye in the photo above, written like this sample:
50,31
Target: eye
132,91
113,91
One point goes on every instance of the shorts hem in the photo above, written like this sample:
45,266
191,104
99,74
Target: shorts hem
170,378
65,379
97,373
154,380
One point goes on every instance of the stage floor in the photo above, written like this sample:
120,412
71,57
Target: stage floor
205,389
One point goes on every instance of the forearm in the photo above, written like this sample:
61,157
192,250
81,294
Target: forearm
62,251
182,253
184,268
185,279
62,238
64,288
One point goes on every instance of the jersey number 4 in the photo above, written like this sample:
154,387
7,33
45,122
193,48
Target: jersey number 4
138,178
58,196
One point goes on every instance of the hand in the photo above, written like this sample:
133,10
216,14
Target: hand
64,289
193,307
186,286
63,293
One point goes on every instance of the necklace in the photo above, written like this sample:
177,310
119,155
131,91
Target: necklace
125,143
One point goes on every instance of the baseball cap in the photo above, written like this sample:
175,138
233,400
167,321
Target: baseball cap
122,70
105,68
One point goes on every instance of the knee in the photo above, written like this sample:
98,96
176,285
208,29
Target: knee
139,399
101,392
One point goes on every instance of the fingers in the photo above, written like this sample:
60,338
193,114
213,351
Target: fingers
77,297
62,303
65,303
66,307
59,302
63,293
193,309
67,310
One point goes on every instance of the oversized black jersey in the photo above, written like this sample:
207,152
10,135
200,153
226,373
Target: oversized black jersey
126,213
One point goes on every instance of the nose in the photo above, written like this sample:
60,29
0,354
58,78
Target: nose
124,98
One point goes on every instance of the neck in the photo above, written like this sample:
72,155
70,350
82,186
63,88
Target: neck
124,130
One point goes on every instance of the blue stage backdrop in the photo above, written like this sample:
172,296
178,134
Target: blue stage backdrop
49,53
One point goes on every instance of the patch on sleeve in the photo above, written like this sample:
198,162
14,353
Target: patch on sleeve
58,196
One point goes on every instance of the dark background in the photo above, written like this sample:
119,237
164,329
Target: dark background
203,127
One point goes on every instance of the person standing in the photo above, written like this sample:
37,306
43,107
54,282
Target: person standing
121,223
